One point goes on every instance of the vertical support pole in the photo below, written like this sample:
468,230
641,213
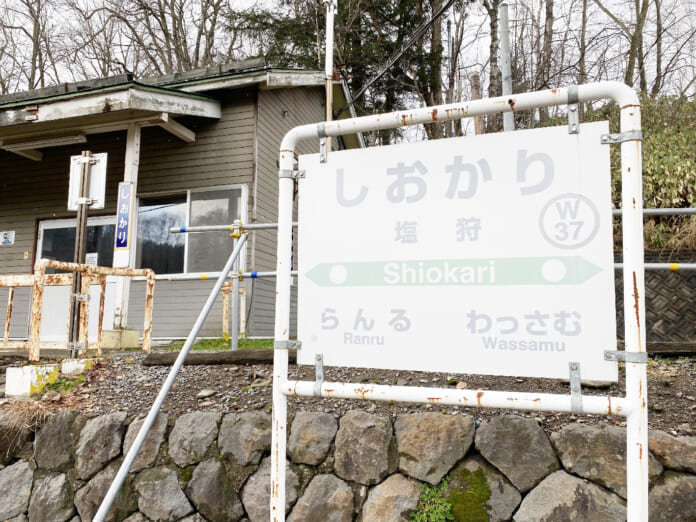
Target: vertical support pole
226,311
80,246
505,66
83,330
282,335
100,327
634,324
36,305
130,173
8,317
235,310
149,302
331,6
242,312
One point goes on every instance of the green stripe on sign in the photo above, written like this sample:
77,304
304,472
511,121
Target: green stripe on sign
569,270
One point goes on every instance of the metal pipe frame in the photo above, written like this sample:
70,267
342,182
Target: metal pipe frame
661,212
164,391
91,275
225,228
633,406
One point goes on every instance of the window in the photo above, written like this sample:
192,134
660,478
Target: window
57,240
168,253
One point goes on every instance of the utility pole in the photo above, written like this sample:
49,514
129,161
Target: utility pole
505,65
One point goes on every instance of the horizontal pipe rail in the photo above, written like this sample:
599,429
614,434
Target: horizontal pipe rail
674,267
226,228
661,212
207,277
592,404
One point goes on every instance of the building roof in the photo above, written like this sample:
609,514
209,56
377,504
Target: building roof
65,113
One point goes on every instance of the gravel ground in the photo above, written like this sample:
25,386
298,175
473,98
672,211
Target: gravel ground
122,383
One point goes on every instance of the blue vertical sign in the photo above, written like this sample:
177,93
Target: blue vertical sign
123,215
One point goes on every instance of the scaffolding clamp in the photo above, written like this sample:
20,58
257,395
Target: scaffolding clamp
634,135
575,389
318,374
236,229
573,116
624,356
287,345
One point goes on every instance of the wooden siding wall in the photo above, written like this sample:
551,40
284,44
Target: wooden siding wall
278,111
223,154
35,190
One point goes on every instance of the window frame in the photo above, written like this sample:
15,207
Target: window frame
54,223
243,212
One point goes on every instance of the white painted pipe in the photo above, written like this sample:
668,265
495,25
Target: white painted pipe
595,405
505,63
164,391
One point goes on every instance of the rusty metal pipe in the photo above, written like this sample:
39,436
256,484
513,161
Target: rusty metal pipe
36,304
149,303
8,317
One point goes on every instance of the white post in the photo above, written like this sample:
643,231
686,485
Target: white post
634,318
282,333
126,258
505,66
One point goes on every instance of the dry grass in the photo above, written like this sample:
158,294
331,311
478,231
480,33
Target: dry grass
21,416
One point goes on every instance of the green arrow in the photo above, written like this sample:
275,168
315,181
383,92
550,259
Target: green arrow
568,270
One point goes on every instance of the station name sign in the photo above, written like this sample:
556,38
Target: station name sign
484,254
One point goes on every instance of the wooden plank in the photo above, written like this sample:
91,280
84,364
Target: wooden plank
256,356
680,348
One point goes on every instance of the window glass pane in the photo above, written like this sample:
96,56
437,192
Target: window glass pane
59,244
159,249
208,251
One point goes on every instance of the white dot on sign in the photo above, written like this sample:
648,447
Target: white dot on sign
338,274
553,270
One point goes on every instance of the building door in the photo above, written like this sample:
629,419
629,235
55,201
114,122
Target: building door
57,241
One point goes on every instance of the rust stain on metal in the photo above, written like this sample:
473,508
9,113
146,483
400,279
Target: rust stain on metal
363,392
149,302
8,317
478,398
36,301
226,309
433,400
554,91
511,103
635,306
328,392
102,299
628,170
433,114
404,119
609,410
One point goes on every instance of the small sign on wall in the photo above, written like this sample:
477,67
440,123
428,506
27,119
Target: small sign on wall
7,238
124,222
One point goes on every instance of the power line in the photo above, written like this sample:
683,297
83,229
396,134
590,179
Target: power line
418,33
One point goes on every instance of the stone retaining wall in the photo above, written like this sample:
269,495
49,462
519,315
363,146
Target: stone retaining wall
365,467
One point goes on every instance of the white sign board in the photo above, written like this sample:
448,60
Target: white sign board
97,181
7,238
485,254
